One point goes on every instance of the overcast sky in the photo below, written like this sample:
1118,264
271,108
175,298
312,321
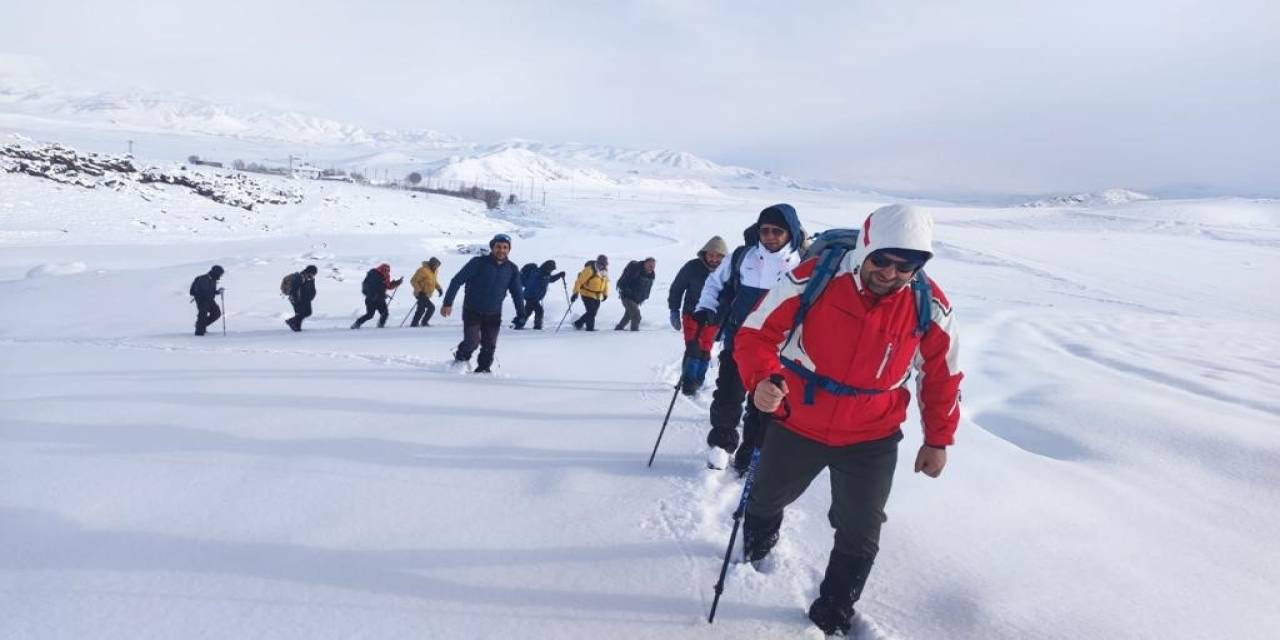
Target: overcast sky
925,97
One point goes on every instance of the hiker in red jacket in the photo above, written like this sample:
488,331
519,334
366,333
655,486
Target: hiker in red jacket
841,398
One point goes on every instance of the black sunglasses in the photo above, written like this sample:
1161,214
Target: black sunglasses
881,261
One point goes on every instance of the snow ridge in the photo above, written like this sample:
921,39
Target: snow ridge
1105,197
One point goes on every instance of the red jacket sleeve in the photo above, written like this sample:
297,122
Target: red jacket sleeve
938,380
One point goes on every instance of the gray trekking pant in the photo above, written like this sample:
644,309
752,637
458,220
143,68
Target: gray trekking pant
861,477
631,316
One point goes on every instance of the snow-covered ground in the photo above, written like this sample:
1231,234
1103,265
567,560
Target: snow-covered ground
1117,474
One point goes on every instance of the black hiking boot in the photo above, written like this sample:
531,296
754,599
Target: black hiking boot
759,536
841,587
484,368
832,616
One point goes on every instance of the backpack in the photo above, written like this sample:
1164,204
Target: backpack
286,285
194,282
527,273
830,247
629,273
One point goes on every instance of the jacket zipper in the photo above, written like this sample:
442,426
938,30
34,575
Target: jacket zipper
883,363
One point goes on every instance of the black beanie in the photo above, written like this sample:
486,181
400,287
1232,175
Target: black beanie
774,216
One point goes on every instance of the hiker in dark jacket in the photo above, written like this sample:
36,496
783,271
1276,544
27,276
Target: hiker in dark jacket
682,300
204,289
302,290
634,287
488,279
375,287
535,284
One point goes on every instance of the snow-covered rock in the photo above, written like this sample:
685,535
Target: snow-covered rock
91,170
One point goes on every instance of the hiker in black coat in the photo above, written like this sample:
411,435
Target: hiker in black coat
634,287
682,300
302,290
488,280
375,287
204,289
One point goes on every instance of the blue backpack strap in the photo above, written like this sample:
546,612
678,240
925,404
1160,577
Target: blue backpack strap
923,295
828,264
813,381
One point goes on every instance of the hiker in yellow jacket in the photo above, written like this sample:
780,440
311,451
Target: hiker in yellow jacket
593,286
425,284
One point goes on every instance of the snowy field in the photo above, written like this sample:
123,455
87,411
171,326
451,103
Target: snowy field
1117,473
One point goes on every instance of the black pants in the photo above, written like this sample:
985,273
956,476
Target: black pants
531,308
423,312
301,311
479,329
630,316
371,305
861,477
207,312
727,410
588,320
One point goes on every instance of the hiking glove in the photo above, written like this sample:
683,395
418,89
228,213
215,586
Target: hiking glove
573,299
704,316
675,319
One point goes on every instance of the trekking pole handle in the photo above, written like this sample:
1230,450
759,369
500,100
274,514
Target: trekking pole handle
778,381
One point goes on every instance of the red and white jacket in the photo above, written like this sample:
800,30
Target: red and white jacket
861,340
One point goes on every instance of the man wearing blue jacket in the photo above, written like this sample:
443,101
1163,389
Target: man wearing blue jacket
488,279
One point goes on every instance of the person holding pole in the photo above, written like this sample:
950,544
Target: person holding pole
375,287
203,291
535,289
833,345
425,283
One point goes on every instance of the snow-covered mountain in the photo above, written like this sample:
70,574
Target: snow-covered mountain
1105,197
511,165
175,113
172,126
653,160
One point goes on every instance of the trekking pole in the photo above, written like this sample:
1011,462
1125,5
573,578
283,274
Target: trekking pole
563,317
679,381
406,316
737,515
568,310
663,430
223,298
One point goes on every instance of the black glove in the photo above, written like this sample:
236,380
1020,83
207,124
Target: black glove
397,281
219,292
573,299
675,319
704,316
604,297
